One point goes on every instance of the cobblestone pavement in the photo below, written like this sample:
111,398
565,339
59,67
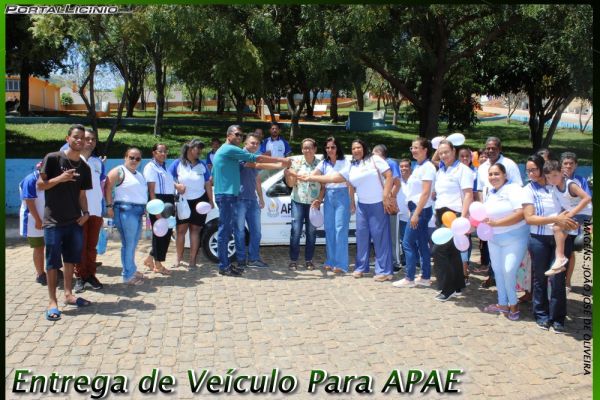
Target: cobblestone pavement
294,321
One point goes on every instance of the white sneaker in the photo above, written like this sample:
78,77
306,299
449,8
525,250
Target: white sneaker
557,267
404,283
423,282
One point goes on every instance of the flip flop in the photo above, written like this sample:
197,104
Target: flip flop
79,302
162,271
53,314
493,309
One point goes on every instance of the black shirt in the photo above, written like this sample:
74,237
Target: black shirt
62,201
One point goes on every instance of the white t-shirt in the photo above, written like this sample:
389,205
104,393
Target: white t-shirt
502,203
543,204
565,201
94,195
365,179
513,175
422,172
193,178
341,167
164,183
449,185
403,212
133,189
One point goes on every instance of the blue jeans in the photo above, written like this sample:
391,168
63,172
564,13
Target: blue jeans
416,243
506,253
227,204
336,212
541,249
248,212
63,243
373,224
300,218
401,230
128,221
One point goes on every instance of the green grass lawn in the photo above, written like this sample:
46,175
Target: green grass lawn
35,140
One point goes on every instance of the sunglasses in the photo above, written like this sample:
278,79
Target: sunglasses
138,159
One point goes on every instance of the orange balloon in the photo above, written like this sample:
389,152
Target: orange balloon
475,159
447,218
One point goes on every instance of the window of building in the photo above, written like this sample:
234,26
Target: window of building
12,85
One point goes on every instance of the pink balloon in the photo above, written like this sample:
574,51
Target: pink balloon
477,211
461,242
460,226
473,221
484,231
161,227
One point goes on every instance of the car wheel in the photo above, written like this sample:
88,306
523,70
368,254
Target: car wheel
210,242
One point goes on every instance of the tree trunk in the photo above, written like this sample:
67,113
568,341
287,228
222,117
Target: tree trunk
200,99
220,101
192,93
90,103
309,107
333,112
115,126
556,120
24,88
536,126
295,112
313,101
160,73
360,96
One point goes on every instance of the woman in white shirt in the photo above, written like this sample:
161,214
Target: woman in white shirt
453,193
504,209
336,204
160,186
130,198
541,213
193,183
416,237
367,175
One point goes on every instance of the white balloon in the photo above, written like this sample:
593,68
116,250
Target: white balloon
456,139
435,142
203,207
161,227
316,217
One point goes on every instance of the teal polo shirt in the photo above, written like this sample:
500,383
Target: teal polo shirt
226,168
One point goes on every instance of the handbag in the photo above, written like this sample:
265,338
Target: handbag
183,208
393,210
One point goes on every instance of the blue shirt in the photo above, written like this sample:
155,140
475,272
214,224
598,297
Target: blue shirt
247,181
226,168
394,167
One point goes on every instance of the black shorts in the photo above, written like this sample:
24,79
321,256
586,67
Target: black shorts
195,218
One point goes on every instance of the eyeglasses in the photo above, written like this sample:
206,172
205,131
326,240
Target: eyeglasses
532,170
330,147
237,133
138,159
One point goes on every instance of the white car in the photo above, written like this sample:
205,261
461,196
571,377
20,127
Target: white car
276,218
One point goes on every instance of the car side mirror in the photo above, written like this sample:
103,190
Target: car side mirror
279,189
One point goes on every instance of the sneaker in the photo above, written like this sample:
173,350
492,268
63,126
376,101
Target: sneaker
229,271
444,297
382,278
558,328
79,286
42,279
557,267
544,325
93,282
457,293
240,267
467,283
258,264
404,283
423,282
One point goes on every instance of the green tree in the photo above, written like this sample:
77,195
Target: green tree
28,56
66,99
416,48
548,56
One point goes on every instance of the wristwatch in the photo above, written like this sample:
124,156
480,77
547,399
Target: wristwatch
109,206
86,213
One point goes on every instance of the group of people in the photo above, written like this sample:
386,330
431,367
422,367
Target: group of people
395,207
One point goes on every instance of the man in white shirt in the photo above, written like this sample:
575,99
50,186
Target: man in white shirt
275,146
493,149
